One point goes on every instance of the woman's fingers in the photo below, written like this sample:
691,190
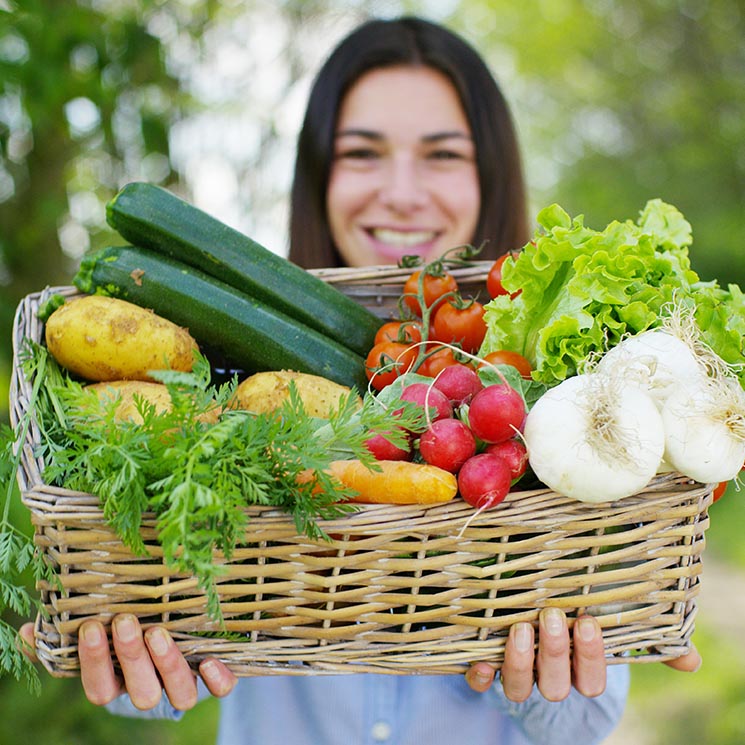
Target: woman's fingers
100,682
480,676
588,660
218,678
140,679
178,679
553,665
28,644
688,663
150,662
519,656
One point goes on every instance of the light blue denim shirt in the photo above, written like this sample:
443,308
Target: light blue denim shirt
369,709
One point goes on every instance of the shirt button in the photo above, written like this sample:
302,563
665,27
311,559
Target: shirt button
381,731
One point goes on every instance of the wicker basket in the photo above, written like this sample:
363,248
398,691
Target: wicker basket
400,589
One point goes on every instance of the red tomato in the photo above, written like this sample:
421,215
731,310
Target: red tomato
433,288
505,357
494,278
406,332
436,361
460,325
386,361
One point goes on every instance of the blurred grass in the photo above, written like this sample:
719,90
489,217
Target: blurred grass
62,716
707,707
724,538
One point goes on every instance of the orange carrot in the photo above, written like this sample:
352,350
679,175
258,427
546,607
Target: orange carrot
397,482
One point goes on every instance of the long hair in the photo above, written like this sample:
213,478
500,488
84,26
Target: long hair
502,224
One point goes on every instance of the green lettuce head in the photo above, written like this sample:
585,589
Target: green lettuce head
582,290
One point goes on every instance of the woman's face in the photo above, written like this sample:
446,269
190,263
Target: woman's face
404,179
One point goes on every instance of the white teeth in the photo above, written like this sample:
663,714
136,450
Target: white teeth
400,238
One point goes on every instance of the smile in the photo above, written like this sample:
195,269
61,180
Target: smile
402,238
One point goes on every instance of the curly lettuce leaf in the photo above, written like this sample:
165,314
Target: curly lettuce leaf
582,290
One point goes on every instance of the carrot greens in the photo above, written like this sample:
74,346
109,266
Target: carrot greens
195,472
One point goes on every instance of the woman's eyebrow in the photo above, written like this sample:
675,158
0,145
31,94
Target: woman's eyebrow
367,133
437,136
428,138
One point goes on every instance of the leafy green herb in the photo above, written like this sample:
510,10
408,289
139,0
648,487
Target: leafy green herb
195,474
18,556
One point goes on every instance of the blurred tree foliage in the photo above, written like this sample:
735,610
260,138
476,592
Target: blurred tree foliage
616,103
621,102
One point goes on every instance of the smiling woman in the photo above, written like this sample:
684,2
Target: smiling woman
407,147
404,177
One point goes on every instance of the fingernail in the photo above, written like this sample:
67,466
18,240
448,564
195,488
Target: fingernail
482,680
553,621
208,668
522,637
587,628
91,633
125,628
158,641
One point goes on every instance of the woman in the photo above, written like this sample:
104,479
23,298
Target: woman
407,148
410,44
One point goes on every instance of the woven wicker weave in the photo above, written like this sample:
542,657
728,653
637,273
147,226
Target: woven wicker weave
400,589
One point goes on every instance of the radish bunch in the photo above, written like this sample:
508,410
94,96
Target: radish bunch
472,431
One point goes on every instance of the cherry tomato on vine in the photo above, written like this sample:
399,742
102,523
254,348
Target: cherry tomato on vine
433,288
460,324
386,361
406,332
494,278
437,359
506,357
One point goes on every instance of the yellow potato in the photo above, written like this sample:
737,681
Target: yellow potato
102,338
125,391
267,391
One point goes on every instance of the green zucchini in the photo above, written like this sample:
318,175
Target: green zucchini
249,334
154,218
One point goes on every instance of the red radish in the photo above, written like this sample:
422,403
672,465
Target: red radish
429,398
383,449
448,444
513,452
484,480
497,413
459,383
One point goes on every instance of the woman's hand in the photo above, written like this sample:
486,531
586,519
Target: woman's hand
554,668
145,660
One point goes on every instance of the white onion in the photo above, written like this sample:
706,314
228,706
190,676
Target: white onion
655,360
705,430
595,438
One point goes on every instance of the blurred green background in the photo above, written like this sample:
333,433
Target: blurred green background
615,103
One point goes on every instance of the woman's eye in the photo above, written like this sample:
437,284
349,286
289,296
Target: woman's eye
445,155
358,153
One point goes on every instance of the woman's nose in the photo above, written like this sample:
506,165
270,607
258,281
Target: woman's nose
403,189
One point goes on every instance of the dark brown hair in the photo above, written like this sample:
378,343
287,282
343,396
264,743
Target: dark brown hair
502,224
